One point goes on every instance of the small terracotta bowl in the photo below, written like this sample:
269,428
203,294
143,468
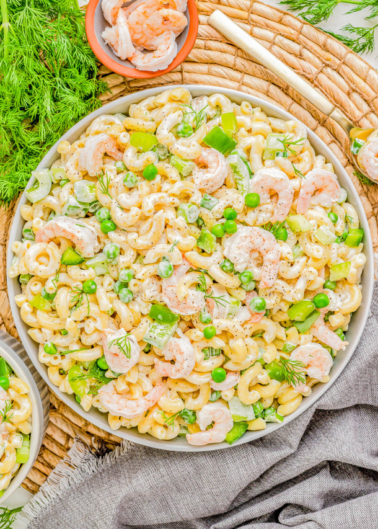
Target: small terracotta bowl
95,24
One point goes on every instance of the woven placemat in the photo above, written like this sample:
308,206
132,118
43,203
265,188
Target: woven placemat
346,79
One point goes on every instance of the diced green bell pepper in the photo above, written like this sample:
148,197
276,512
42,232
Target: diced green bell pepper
275,371
271,415
301,310
206,241
219,140
72,208
299,223
71,257
303,326
340,271
354,237
143,141
325,236
236,432
5,369
162,314
240,173
229,123
40,303
159,334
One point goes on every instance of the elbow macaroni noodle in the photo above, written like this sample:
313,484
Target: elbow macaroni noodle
137,213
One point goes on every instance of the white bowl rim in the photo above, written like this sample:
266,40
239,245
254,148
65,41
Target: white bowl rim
359,319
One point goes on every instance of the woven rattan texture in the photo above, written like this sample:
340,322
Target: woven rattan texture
345,78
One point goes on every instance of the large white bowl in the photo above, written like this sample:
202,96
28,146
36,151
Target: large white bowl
355,329
14,353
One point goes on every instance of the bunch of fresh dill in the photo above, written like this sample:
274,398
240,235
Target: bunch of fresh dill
361,39
47,83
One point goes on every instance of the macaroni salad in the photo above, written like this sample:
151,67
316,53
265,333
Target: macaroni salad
15,426
189,269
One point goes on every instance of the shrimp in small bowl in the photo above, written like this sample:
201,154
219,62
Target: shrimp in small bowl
146,39
170,298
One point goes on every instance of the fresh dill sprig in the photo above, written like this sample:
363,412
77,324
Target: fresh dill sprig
349,219
169,421
202,282
293,371
361,39
363,179
287,142
123,345
316,11
104,182
78,298
173,246
219,300
4,413
273,228
56,280
7,517
297,172
199,117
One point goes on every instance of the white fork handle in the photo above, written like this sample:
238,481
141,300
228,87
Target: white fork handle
238,36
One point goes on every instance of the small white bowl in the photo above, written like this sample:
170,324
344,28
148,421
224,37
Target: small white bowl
356,326
15,355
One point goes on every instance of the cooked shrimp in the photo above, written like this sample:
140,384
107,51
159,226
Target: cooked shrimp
192,303
118,37
213,177
368,158
121,404
121,356
110,9
216,413
267,179
165,51
255,316
165,20
137,18
240,245
320,330
180,350
81,234
90,158
232,378
317,361
318,180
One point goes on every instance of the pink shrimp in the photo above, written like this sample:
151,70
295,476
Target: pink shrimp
232,378
322,181
255,316
267,179
240,245
90,158
165,47
121,404
213,177
137,16
317,361
368,158
165,20
192,303
216,413
121,350
218,310
324,334
81,234
118,37
180,350
110,9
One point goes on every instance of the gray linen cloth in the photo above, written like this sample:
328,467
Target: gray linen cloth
320,471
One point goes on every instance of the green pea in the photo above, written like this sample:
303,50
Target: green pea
218,375
4,383
50,348
107,226
126,275
118,286
321,300
251,285
184,130
333,217
218,230
64,332
230,226
230,214
204,317
209,332
258,304
252,200
111,250
227,266
281,234
102,363
102,214
246,277
90,286
165,269
330,285
125,295
340,333
130,179
150,172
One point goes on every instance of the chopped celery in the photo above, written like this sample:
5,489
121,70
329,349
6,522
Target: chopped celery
340,271
288,347
206,241
162,314
273,145
159,334
354,237
325,236
77,381
357,145
303,326
229,123
40,303
297,251
219,140
243,156
99,263
85,191
71,257
215,395
299,223
271,415
57,174
41,188
233,307
24,278
5,369
208,202
143,141
28,234
240,411
240,173
184,167
72,208
189,212
237,431
23,453
301,310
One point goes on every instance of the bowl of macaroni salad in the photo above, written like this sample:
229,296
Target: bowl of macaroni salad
24,410
190,268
